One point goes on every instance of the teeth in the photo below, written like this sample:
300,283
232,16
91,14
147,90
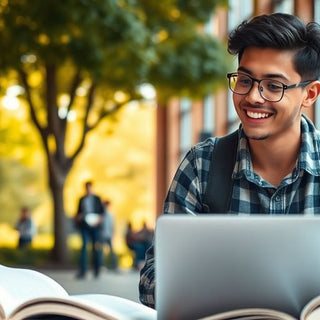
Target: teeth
257,115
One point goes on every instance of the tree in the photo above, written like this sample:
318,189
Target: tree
91,57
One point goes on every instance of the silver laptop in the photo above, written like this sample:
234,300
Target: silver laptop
208,264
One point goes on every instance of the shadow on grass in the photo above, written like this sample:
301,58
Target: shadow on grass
42,258
27,257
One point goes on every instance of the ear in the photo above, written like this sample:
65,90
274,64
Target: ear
312,93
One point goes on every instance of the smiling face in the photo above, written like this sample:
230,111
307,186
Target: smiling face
262,119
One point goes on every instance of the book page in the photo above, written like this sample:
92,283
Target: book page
314,315
117,307
251,314
312,310
20,285
87,306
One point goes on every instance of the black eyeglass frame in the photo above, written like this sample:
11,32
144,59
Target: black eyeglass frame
284,86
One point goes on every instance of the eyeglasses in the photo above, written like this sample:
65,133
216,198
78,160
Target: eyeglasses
269,89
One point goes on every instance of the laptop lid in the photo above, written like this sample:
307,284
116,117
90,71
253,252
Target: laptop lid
208,264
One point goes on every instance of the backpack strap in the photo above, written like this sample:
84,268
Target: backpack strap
219,188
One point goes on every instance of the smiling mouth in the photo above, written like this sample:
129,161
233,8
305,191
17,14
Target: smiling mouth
258,115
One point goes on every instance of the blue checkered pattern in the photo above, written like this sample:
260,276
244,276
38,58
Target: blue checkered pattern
298,193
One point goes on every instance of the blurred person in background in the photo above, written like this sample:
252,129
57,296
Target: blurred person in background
26,228
145,234
88,221
139,242
107,232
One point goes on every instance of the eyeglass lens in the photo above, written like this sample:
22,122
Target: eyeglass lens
269,89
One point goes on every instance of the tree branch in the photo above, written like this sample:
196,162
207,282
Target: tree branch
105,113
51,95
86,128
72,93
42,130
75,84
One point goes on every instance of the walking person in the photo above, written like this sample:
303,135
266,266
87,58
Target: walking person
89,220
107,233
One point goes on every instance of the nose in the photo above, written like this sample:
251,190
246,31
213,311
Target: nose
254,95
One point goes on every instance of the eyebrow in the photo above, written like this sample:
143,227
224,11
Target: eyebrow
265,76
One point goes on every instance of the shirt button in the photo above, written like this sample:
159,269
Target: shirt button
278,198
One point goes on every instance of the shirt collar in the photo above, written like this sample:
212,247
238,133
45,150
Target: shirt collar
309,156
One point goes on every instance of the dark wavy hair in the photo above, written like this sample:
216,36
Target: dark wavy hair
281,31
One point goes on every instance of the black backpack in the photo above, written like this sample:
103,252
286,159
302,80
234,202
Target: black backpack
219,188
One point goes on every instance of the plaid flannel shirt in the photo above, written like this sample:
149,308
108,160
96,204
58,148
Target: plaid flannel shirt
297,193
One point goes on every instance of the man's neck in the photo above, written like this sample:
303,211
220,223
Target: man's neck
274,160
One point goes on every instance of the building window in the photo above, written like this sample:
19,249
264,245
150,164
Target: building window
284,6
317,11
239,11
208,118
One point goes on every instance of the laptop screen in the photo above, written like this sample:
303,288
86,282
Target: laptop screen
208,264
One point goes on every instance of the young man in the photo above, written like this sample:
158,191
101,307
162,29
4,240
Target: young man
277,169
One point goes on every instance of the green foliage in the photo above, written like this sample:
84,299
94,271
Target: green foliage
40,258
94,36
188,62
20,166
114,41
77,57
206,63
25,257
20,185
169,14
17,136
201,10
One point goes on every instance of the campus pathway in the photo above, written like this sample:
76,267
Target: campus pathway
123,283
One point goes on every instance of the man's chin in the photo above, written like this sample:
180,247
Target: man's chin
256,135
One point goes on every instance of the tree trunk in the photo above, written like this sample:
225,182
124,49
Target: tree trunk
60,252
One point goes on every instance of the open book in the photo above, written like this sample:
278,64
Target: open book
311,311
28,294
